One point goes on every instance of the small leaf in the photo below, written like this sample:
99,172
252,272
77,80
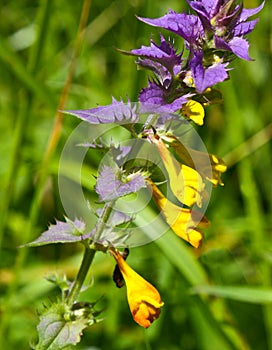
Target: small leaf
58,328
60,281
116,217
61,232
120,153
112,185
116,237
257,295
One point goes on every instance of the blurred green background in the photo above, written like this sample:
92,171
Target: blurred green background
218,297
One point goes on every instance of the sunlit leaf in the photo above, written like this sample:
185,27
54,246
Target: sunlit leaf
117,112
112,184
62,232
59,328
258,295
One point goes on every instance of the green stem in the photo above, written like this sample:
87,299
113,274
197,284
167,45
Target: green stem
103,220
89,255
82,273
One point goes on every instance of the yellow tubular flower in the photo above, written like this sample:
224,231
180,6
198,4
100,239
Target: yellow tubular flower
185,223
193,110
185,182
209,165
144,300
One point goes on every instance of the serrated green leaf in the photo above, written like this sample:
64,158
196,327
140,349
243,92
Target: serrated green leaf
257,295
58,328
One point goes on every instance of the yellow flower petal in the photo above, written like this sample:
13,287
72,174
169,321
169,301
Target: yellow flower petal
185,182
144,300
185,223
208,165
194,110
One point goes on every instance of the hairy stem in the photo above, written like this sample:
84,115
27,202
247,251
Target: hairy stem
89,254
81,276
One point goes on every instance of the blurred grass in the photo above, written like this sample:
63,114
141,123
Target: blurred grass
37,44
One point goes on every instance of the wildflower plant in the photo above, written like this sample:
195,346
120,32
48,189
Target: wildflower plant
164,161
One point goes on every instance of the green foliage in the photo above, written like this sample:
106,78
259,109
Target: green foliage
231,273
247,294
59,327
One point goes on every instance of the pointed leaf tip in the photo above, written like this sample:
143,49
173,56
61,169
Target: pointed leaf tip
61,232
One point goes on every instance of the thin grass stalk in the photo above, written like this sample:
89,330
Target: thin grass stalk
12,61
256,219
24,115
168,246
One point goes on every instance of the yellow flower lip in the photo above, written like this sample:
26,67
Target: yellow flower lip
184,222
185,182
208,165
193,110
144,300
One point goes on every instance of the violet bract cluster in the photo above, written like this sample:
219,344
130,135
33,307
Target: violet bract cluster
181,85
212,39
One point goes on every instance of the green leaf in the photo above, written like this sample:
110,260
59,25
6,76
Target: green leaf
59,327
207,327
182,256
257,295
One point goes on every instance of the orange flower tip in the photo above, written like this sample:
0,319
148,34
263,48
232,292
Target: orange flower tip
147,313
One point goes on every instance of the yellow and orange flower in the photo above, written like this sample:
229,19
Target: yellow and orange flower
144,300
185,182
185,223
